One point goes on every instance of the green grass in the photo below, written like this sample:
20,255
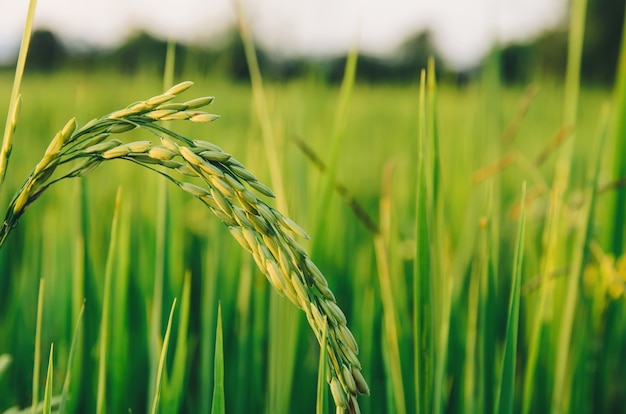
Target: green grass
460,301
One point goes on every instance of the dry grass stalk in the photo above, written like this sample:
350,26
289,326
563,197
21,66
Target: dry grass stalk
226,189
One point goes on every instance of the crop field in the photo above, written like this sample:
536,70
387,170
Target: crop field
472,235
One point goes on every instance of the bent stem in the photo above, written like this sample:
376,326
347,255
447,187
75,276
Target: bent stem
223,184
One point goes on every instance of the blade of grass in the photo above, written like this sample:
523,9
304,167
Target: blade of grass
337,134
14,103
284,319
562,380
219,405
176,384
47,396
37,358
261,107
161,244
390,318
106,302
321,398
70,361
166,341
507,379
618,134
422,272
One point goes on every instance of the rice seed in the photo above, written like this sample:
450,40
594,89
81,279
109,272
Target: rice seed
68,129
170,145
234,183
338,394
348,338
122,113
55,145
159,114
209,201
121,127
241,172
102,147
275,276
259,224
349,379
299,289
224,218
221,185
219,156
96,139
203,117
159,99
20,202
249,197
361,384
353,405
293,227
211,170
209,146
199,102
161,153
222,202
265,211
171,164
238,235
176,116
262,188
190,157
317,315
179,88
326,292
173,106
240,217
185,170
316,275
193,189
140,107
335,312
116,152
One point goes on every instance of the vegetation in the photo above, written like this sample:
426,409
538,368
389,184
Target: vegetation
473,237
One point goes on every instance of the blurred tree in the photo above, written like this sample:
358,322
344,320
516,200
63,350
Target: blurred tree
46,52
603,33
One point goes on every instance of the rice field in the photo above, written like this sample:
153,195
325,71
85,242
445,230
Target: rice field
473,237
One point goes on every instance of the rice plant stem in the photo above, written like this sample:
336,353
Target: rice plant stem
11,123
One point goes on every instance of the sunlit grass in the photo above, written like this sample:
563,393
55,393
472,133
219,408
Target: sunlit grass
455,297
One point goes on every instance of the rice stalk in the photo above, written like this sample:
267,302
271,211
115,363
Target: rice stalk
42,284
47,398
161,367
218,405
16,98
223,184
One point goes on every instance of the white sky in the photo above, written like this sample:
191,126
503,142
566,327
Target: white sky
463,30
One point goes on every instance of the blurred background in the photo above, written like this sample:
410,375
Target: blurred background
393,37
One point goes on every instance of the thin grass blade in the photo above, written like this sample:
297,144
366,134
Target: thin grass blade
507,379
563,381
70,361
219,403
166,341
37,358
106,303
47,396
14,104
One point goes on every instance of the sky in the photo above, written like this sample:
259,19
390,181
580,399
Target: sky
463,30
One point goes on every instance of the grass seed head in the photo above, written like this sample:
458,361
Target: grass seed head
161,153
199,102
179,88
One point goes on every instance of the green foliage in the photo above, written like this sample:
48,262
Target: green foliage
447,315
